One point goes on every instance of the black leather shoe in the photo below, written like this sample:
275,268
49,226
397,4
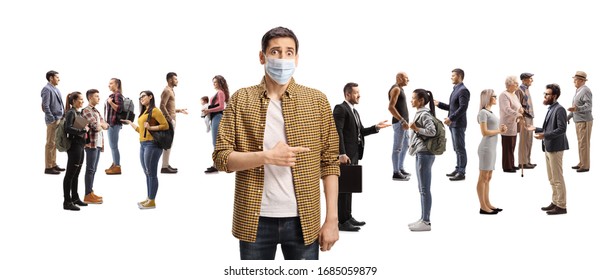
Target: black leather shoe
58,168
400,177
458,177
354,222
404,172
347,226
452,174
557,211
483,212
549,207
78,202
173,168
51,171
497,209
70,206
510,170
167,170
211,169
575,167
583,170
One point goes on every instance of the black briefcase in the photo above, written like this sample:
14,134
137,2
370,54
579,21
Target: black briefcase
350,180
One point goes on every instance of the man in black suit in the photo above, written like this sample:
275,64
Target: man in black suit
457,121
352,143
554,143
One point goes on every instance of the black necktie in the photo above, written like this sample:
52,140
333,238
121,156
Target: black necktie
357,119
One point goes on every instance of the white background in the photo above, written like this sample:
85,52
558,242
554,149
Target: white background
189,236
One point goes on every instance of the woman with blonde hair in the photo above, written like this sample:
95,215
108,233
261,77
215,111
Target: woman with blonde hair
490,128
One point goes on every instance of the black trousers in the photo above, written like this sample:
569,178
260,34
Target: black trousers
345,200
74,163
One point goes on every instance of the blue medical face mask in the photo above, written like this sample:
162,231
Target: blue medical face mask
280,70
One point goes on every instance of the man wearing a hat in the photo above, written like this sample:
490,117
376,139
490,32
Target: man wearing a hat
581,113
526,136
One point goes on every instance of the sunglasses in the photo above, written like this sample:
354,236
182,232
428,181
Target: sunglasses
142,96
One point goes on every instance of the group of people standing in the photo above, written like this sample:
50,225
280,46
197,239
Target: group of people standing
89,140
282,138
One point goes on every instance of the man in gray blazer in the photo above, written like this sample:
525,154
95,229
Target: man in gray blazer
581,112
554,143
53,108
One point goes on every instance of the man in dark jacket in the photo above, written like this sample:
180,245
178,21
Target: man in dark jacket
554,142
457,121
352,143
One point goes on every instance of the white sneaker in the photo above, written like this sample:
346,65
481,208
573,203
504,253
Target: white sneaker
421,226
414,223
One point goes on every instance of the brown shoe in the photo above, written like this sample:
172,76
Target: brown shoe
549,207
51,171
96,196
91,199
111,166
557,211
115,170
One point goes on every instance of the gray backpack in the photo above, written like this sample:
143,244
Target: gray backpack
436,144
63,143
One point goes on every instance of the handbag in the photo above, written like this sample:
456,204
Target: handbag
163,138
350,180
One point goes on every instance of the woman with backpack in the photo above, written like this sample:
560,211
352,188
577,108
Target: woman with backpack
490,128
77,137
150,119
423,127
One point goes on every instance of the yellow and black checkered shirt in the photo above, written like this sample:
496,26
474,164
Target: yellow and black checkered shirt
308,123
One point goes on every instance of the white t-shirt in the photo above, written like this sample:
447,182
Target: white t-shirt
279,196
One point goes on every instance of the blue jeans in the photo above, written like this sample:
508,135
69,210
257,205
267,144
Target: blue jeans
284,231
92,156
214,127
113,142
400,147
424,162
150,153
458,143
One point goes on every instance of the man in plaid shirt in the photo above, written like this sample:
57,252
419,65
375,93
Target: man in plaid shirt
95,146
280,139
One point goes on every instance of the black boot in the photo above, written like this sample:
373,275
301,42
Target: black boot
70,206
79,202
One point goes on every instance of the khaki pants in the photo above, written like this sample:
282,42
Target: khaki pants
51,144
554,167
525,141
584,134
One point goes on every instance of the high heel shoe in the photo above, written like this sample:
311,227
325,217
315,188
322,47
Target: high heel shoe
483,212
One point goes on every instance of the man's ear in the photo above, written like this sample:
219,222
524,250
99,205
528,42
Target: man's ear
262,58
